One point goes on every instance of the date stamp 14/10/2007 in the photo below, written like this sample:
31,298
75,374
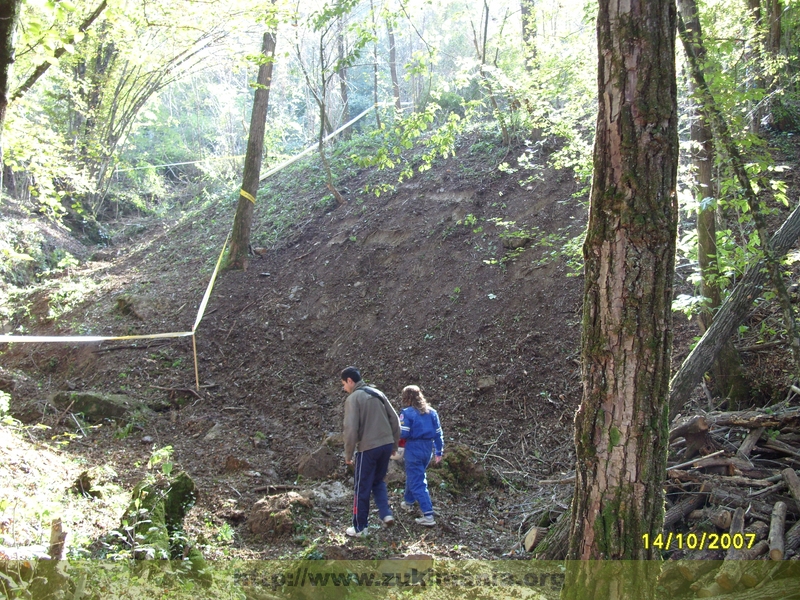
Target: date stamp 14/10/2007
699,541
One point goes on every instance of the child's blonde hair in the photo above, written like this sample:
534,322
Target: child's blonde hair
412,396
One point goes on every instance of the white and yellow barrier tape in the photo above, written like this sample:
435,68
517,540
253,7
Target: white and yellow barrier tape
77,339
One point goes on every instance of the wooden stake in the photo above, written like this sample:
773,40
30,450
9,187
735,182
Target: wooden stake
57,538
196,372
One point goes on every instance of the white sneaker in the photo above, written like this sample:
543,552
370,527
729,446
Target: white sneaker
388,521
351,531
426,520
406,506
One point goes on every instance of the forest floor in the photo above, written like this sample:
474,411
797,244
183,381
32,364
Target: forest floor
457,282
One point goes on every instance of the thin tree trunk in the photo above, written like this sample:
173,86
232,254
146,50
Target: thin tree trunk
242,221
729,316
342,73
692,43
393,66
480,49
621,432
323,125
529,31
729,379
375,65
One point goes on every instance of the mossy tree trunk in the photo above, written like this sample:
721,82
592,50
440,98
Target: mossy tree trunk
621,432
242,221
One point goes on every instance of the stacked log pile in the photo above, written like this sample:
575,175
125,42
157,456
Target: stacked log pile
732,524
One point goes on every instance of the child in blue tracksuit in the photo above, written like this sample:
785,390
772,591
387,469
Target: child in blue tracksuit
422,433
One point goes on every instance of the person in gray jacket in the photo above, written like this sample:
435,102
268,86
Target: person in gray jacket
371,434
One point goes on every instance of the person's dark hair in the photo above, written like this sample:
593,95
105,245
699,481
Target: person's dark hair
351,373
412,396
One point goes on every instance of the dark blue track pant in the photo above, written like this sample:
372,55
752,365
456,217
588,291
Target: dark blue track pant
417,456
370,472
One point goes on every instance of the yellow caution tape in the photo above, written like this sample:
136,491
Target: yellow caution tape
248,196
201,311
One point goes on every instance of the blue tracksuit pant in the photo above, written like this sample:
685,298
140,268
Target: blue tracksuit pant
417,456
370,471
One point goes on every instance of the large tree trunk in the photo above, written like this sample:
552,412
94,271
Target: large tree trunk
621,431
242,221
729,316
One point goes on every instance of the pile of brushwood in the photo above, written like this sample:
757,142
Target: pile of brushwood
733,512
732,522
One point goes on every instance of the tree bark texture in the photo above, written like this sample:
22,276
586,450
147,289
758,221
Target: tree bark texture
728,317
621,432
242,221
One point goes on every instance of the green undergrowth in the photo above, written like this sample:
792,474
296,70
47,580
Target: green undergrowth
39,486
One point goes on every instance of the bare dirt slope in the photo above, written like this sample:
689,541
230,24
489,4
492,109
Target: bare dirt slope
419,286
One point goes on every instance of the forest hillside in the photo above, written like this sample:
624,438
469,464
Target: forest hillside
462,281
412,189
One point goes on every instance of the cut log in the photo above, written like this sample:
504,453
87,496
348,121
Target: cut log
687,505
793,538
688,426
756,570
696,463
695,432
781,447
739,467
753,419
671,580
776,528
720,517
752,553
555,544
723,497
705,586
749,442
717,480
782,588
792,482
709,591
781,485
694,567
534,536
731,571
